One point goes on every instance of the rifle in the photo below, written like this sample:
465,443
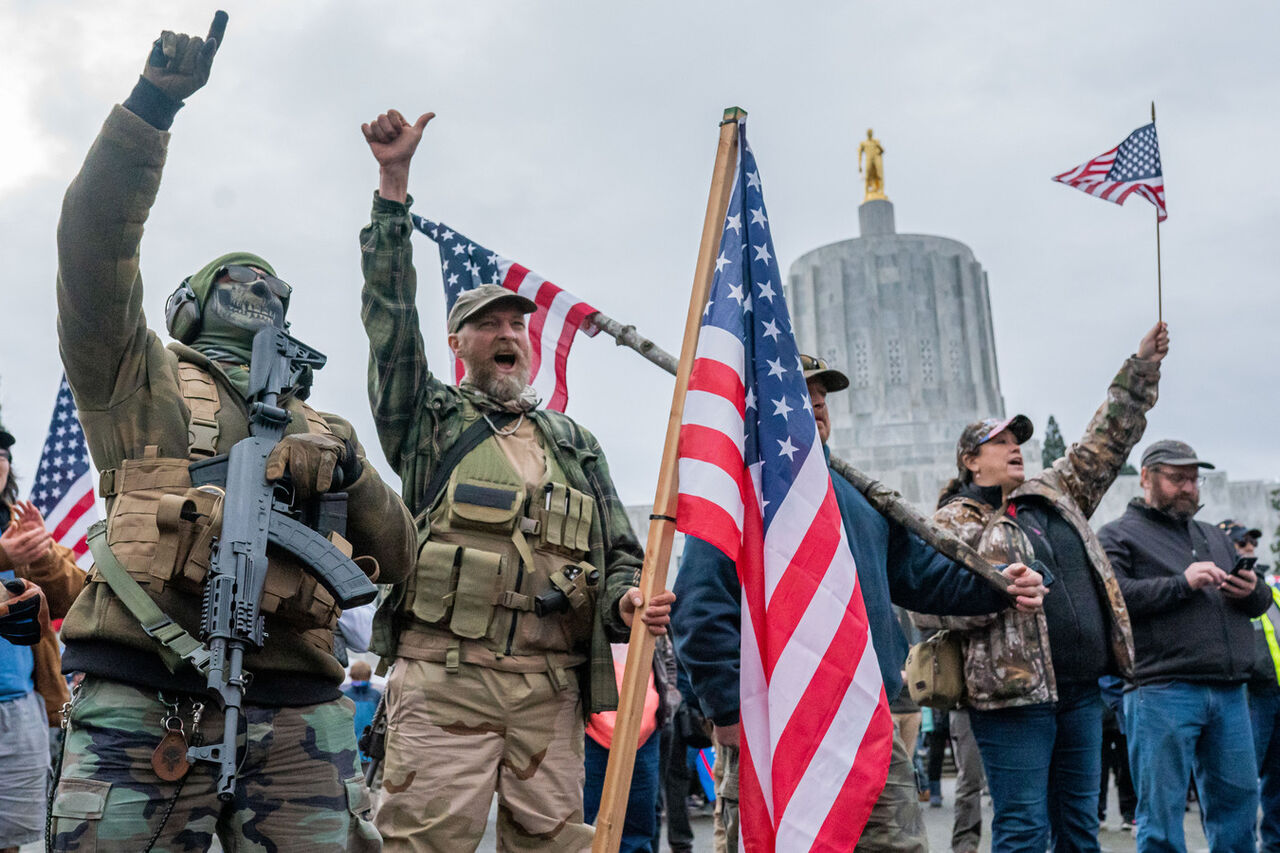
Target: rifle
253,517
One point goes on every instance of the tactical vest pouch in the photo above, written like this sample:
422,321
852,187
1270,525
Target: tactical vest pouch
488,507
564,519
479,573
185,524
435,581
575,586
133,534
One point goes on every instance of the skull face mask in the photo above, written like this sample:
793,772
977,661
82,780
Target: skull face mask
242,301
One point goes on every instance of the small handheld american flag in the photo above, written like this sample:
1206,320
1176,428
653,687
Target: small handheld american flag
1133,166
466,265
816,729
63,485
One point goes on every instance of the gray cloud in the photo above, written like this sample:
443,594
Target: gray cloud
578,139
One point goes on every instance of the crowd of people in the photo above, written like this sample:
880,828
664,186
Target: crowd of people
1146,649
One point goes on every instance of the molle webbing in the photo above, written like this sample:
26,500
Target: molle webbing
200,393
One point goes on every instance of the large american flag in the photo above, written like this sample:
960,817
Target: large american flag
816,730
63,486
466,265
1133,166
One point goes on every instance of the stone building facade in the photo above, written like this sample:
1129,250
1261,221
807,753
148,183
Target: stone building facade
908,318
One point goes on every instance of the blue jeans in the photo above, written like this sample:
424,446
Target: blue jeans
1264,708
642,802
1043,763
1180,726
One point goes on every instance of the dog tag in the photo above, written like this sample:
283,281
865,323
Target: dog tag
170,758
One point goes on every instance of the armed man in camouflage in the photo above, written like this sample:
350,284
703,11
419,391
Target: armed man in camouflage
526,566
148,412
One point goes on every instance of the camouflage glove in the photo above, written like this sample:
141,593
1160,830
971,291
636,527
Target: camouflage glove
309,459
179,64
24,615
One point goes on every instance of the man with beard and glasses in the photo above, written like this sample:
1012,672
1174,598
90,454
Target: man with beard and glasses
1186,710
527,565
150,411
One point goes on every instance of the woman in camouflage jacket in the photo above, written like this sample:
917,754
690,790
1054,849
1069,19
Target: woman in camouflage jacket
1031,678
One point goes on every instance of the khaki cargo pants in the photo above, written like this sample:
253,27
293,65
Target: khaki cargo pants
455,739
299,788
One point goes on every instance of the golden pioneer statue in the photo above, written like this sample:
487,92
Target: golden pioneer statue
875,166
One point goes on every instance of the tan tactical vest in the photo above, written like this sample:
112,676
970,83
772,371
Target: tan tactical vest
496,546
161,529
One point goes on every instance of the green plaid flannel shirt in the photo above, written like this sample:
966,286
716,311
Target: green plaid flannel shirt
419,417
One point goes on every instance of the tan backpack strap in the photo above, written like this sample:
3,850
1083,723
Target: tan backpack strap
203,401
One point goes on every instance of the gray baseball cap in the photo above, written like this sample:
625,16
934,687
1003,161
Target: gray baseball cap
471,302
1171,452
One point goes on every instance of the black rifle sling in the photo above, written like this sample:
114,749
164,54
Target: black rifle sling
467,442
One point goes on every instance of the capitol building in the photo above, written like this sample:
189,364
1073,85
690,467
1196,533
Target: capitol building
908,318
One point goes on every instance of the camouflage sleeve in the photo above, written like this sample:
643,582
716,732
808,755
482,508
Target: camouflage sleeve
967,522
101,328
378,523
1091,465
398,373
623,555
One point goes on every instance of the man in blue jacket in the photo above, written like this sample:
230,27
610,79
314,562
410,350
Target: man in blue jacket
894,567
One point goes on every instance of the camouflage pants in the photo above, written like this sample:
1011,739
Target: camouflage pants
896,822
726,813
454,739
299,787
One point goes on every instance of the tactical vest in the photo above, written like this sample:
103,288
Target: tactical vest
501,579
162,529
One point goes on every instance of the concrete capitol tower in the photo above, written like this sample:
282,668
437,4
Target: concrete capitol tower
908,318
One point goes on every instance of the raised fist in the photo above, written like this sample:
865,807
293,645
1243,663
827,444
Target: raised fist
179,64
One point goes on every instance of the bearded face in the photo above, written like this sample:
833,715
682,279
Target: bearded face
240,309
1175,489
494,348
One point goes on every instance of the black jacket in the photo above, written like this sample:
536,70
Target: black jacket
1180,633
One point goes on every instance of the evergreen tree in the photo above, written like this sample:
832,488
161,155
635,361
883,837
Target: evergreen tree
1054,447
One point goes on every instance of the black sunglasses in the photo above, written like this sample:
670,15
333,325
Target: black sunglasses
248,275
5,454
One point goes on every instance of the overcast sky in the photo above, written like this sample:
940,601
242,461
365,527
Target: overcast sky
578,139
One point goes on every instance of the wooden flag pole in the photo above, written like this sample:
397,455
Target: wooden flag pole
1159,277
657,552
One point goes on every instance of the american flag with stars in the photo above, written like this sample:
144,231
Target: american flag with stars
1133,166
466,265
63,487
815,725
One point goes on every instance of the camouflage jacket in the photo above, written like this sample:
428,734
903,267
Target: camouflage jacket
126,387
419,417
1007,658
